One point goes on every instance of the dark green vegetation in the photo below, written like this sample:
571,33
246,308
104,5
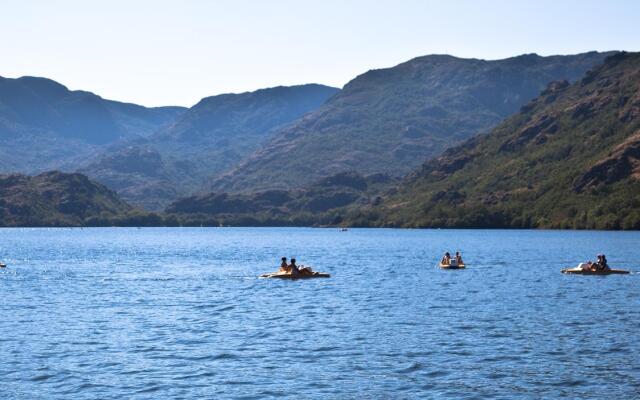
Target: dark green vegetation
569,159
56,199
318,204
60,199
391,120
209,138
43,125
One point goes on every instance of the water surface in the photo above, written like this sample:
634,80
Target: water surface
180,313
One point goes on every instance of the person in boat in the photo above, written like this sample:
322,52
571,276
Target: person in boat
293,268
587,266
300,270
284,267
459,258
446,260
601,264
306,271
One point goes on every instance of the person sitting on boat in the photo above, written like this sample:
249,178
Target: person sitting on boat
293,268
300,270
601,264
587,266
284,267
307,271
446,260
459,259
596,266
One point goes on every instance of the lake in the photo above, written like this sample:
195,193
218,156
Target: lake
160,313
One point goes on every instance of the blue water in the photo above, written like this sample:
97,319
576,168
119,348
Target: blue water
180,313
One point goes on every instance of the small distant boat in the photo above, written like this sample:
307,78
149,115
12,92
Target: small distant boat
447,266
3,265
344,229
580,271
287,275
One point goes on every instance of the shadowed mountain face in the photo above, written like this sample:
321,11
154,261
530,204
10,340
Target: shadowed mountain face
569,159
391,120
43,125
309,206
211,137
55,199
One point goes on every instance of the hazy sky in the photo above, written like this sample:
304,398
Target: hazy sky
176,52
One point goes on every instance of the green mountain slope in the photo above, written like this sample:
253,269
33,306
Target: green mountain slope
211,137
44,125
569,159
391,120
314,205
55,199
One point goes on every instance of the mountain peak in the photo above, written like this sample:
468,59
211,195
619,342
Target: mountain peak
41,87
274,91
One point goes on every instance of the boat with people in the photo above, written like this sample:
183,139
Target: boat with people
445,266
449,262
600,267
580,271
294,271
281,275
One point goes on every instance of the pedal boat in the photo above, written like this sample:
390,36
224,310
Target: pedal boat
288,275
447,266
580,271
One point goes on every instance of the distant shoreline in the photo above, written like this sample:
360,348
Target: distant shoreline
314,227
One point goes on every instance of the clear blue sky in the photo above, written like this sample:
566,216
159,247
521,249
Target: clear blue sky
176,52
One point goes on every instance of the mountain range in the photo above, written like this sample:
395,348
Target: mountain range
44,125
481,147
391,120
384,121
207,139
569,159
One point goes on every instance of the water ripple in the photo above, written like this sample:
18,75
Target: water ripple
180,313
